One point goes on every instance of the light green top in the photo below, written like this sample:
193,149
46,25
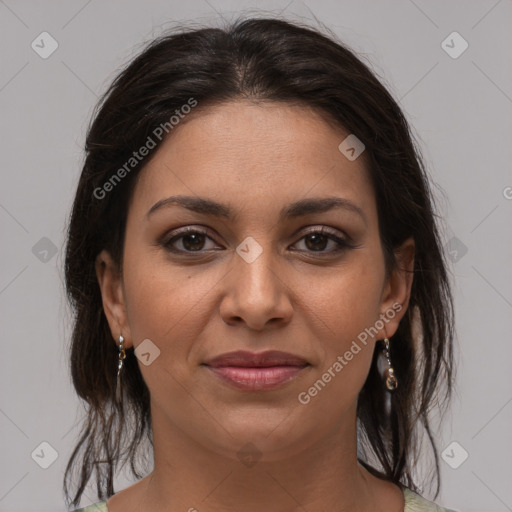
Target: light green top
413,503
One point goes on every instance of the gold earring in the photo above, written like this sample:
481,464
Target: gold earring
389,373
120,362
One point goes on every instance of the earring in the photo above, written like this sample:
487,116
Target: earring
389,373
121,358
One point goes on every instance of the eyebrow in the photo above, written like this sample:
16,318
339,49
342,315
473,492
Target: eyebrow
303,207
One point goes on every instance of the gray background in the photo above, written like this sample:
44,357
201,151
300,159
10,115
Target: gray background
460,109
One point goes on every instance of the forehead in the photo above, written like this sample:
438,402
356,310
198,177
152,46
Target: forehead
245,152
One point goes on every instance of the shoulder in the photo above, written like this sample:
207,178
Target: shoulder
413,503
101,506
416,503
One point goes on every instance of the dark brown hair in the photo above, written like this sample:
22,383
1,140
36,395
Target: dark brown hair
272,60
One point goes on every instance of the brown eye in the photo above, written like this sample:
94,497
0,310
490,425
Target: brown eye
190,239
318,241
193,242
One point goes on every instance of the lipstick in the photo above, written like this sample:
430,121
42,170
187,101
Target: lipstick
256,372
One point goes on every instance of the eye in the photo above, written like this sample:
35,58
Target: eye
317,240
190,239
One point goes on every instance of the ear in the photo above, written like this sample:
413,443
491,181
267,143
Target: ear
112,293
397,290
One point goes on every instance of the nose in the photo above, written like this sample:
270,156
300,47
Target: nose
256,293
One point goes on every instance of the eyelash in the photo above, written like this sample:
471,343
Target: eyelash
343,244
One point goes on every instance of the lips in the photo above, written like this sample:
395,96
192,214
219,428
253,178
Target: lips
247,359
256,372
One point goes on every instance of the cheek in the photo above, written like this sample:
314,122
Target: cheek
349,308
169,305
159,296
163,304
349,301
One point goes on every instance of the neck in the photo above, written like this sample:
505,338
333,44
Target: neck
324,476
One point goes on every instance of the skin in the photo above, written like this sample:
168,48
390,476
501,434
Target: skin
255,158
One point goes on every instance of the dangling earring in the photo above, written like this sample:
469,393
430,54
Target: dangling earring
389,373
121,358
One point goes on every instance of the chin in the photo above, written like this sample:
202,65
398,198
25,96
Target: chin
267,441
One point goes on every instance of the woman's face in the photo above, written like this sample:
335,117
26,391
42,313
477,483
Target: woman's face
261,278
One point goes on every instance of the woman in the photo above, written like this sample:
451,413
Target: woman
258,282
